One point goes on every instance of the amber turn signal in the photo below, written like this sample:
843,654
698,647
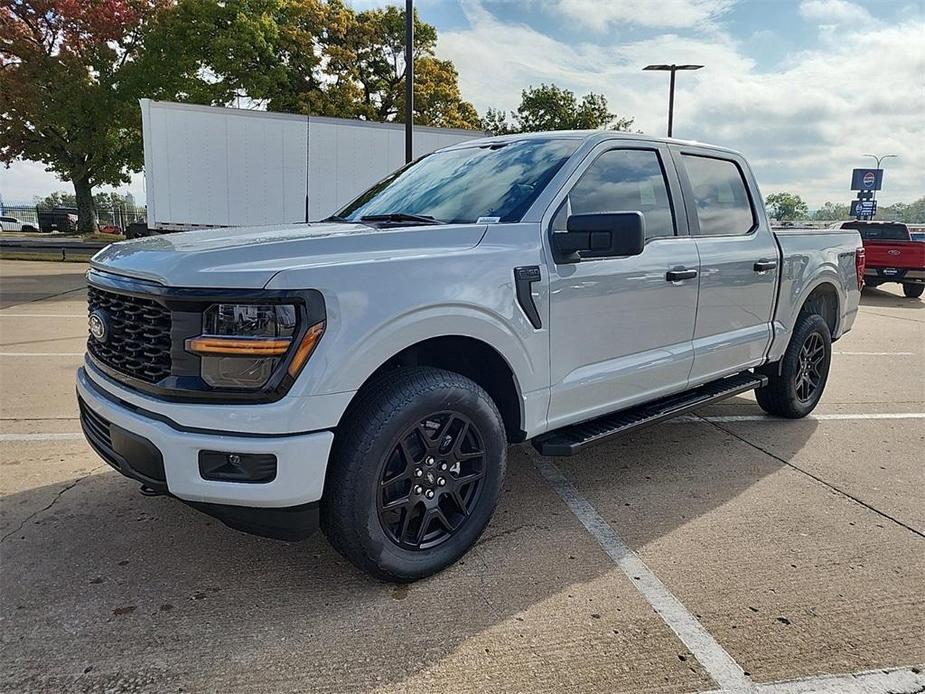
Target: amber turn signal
306,347
238,346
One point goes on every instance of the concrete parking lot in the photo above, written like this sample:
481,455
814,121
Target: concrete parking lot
727,551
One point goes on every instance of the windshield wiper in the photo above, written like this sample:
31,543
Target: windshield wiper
401,217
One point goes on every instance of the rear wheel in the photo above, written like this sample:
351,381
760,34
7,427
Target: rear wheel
795,390
415,475
913,291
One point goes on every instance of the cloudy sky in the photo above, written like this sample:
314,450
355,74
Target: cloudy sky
803,88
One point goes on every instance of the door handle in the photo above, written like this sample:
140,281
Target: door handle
678,275
765,265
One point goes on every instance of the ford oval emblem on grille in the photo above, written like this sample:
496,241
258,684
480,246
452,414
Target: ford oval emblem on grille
99,326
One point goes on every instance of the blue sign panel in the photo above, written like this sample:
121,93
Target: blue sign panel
863,208
866,179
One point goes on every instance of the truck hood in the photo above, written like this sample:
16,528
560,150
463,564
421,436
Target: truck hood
248,257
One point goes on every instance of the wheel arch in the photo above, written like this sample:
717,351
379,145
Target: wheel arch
823,300
467,356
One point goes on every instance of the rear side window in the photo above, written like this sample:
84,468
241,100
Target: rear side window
720,195
622,180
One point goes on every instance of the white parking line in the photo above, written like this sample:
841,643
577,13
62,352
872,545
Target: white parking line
876,354
41,354
43,315
813,417
41,437
725,671
903,679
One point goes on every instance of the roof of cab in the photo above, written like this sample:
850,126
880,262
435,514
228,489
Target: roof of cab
590,136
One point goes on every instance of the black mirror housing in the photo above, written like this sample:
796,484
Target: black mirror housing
600,235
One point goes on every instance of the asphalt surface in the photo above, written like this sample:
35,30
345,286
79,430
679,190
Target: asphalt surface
724,551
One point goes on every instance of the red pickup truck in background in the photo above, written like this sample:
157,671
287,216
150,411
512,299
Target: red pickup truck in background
893,254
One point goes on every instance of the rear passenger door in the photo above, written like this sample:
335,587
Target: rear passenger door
738,263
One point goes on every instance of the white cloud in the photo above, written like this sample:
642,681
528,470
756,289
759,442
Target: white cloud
598,14
835,12
803,126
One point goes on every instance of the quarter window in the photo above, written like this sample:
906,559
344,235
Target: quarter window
720,195
622,180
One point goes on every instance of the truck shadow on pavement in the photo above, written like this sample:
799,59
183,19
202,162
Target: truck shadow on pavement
102,587
884,299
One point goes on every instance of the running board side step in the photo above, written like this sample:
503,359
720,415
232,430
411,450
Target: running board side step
572,439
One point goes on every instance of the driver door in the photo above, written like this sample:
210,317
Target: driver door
621,330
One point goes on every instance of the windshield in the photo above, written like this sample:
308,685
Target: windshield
499,181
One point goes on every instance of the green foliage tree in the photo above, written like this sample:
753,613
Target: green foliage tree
101,201
911,213
350,64
549,107
786,206
71,74
831,211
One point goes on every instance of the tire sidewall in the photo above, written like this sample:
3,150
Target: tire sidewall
367,459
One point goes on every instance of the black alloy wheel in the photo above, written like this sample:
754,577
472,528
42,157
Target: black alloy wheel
809,372
431,480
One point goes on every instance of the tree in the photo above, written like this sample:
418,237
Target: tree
786,206
912,213
831,211
351,65
72,71
549,107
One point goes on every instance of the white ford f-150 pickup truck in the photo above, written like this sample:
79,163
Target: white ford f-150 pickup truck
368,372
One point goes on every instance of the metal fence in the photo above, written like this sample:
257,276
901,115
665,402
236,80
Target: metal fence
120,215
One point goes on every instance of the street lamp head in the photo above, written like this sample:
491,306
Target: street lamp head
672,68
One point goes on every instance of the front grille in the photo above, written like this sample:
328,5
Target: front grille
138,340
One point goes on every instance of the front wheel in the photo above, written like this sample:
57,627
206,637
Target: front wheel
795,389
913,291
415,473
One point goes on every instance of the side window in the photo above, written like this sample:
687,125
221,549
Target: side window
721,196
622,180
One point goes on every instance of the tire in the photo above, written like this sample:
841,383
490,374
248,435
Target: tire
913,291
380,450
787,393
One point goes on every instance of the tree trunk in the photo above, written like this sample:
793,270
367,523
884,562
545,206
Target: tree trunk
86,209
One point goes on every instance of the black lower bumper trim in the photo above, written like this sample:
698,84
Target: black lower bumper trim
291,523
139,459
132,455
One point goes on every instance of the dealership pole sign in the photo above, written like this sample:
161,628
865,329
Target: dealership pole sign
866,182
866,179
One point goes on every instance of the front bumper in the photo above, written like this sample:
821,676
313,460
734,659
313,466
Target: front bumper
167,459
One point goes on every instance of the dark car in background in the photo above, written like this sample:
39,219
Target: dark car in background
61,219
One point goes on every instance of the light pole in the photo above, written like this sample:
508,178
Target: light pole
672,69
878,160
409,79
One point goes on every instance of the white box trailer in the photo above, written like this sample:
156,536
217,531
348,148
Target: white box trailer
210,167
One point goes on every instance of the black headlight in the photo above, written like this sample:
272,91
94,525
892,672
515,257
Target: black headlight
242,345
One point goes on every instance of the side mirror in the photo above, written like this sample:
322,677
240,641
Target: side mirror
600,235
